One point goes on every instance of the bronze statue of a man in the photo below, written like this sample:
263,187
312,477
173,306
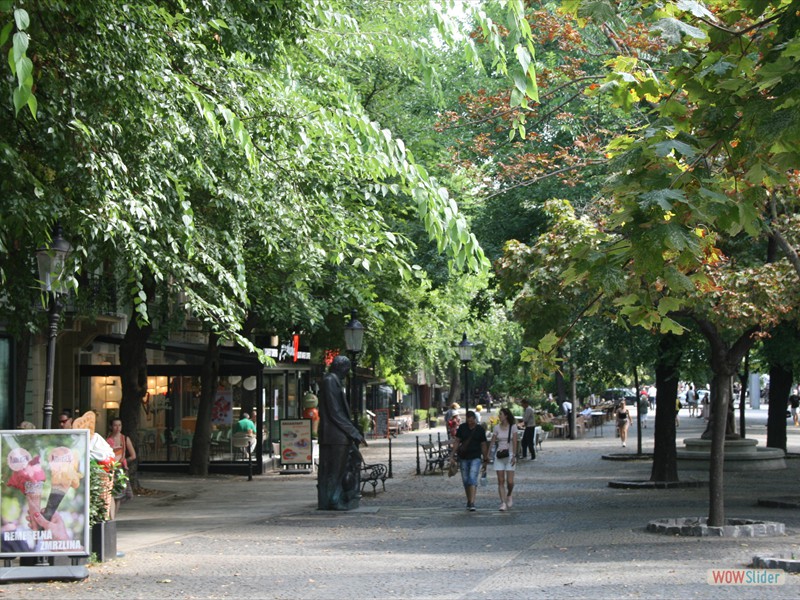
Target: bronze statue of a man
339,476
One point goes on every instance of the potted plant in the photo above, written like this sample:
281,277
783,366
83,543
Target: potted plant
433,420
107,480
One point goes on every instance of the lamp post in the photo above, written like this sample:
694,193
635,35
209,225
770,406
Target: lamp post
52,260
465,354
354,341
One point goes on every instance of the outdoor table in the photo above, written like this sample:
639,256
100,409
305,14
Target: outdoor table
598,418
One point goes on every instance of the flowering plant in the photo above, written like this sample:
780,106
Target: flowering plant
107,479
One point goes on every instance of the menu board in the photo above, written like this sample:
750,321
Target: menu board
296,446
45,493
382,423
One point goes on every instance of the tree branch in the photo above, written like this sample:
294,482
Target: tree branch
533,180
779,238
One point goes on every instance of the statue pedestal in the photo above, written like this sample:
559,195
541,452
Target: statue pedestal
740,455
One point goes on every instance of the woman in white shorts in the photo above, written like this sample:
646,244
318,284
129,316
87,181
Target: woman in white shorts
504,441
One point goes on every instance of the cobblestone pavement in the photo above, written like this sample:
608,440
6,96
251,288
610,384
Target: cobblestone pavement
568,534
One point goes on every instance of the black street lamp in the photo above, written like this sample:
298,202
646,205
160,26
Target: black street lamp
52,261
354,341
465,354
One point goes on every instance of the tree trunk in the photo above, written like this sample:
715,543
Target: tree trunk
133,377
22,353
455,386
720,396
780,386
201,443
724,364
665,456
561,390
743,376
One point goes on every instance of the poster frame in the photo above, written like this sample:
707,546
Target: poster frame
40,442
295,439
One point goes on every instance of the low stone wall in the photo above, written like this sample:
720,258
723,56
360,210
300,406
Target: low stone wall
698,527
786,562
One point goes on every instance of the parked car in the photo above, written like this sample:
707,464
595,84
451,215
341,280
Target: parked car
616,394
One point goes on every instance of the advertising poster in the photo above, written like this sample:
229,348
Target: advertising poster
296,442
44,493
222,409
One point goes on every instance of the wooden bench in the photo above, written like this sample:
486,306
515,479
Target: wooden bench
374,474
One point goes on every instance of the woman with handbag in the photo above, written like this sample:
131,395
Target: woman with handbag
472,450
504,441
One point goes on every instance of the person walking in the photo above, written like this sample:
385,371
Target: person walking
644,407
470,446
794,403
691,400
529,423
124,453
504,441
623,422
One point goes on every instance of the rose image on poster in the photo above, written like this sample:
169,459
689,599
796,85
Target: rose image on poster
37,465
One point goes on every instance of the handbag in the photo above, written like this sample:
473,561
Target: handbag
504,453
452,468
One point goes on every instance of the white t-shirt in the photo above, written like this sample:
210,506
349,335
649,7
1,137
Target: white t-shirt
504,441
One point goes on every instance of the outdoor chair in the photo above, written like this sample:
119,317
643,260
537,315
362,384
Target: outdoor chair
241,445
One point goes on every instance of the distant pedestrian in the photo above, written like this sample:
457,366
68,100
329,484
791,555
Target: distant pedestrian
794,403
706,404
623,422
691,400
504,441
644,407
450,412
529,423
652,392
472,451
566,408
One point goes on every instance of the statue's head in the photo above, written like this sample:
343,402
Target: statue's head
340,366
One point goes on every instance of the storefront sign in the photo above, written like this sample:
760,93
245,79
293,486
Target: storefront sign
45,493
289,352
296,446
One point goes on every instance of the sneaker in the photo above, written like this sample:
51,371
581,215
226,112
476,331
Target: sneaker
471,507
509,502
623,444
503,507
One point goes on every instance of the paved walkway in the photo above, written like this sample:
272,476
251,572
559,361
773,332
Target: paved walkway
568,535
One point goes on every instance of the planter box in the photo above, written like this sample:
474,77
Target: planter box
104,540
